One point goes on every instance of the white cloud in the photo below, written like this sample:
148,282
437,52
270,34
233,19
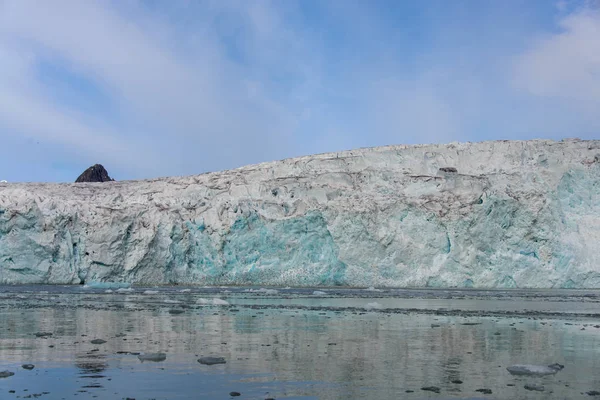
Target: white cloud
565,65
183,100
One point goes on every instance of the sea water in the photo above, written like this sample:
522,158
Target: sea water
295,343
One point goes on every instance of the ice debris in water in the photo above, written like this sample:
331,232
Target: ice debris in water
151,292
125,290
108,285
156,357
372,289
185,290
108,291
211,360
262,290
214,302
169,301
373,306
535,370
319,293
534,387
6,374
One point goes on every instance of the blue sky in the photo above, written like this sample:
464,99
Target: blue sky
157,88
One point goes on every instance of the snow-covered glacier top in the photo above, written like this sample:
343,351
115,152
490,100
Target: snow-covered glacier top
490,214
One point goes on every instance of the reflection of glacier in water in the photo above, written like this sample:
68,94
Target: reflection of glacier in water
296,344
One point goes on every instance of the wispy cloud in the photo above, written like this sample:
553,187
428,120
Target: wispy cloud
560,74
566,64
175,111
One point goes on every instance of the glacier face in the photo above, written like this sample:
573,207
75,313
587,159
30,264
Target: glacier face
491,214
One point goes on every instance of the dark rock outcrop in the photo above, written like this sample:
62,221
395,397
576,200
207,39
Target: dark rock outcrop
450,170
95,173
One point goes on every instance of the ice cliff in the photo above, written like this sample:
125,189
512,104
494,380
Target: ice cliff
492,214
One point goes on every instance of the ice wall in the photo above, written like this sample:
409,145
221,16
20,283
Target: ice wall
492,214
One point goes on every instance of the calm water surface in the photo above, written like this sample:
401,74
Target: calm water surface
344,344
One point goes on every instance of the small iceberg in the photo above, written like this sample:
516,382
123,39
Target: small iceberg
373,306
125,290
185,290
534,370
373,289
155,357
262,290
319,293
108,285
212,302
220,302
211,360
151,292
534,387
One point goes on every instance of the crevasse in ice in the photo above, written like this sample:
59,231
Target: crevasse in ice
492,214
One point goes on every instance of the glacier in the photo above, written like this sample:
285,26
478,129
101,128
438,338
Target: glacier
502,214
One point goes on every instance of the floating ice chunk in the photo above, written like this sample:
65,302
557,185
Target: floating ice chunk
156,357
287,288
211,360
6,374
319,293
124,290
169,301
151,292
373,306
372,289
108,285
213,302
262,290
535,370
108,291
534,387
185,290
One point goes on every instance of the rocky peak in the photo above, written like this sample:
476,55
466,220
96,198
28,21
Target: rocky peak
95,173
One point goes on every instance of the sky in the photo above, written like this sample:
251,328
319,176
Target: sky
153,88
